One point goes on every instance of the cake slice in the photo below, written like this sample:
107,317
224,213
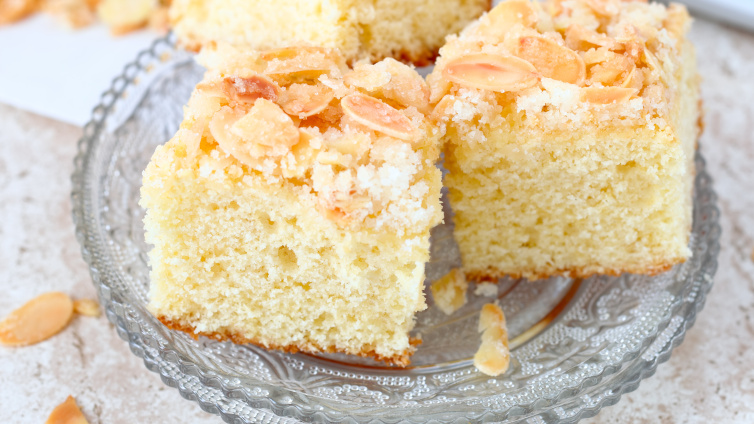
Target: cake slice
293,207
570,138
409,30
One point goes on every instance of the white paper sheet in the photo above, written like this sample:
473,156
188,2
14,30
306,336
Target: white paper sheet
60,73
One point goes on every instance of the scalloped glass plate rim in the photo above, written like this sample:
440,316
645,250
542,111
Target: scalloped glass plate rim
92,246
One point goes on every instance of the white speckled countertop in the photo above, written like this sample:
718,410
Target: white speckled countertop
709,378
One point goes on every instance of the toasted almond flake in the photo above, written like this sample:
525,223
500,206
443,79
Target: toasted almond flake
491,72
67,413
249,89
449,292
304,100
367,77
86,307
607,95
443,109
377,115
125,16
267,124
614,71
14,10
579,38
294,63
493,356
552,60
37,320
507,14
265,132
604,7
392,81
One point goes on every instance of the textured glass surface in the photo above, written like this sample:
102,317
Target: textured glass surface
577,345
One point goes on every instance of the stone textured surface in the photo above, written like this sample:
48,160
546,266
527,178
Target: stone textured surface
709,378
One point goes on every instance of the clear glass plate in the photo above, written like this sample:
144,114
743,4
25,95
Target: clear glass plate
577,345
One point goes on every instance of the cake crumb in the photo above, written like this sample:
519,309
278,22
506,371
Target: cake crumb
449,292
752,255
86,307
493,356
486,289
67,412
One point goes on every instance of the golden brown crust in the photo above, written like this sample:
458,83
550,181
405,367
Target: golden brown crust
492,274
400,360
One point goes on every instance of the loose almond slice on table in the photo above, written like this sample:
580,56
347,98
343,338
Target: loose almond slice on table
607,95
377,115
552,60
491,72
304,100
493,356
67,413
86,307
39,319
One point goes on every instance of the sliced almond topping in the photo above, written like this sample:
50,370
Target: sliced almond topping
493,356
607,95
249,89
377,115
367,76
392,81
580,38
443,108
67,413
604,7
86,307
552,60
491,72
38,320
614,71
449,292
264,132
267,124
305,100
14,10
507,14
293,63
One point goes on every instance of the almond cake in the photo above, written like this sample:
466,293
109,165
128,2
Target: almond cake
409,30
570,137
293,207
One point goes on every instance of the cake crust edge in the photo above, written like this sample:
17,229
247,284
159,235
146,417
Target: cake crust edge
492,274
400,360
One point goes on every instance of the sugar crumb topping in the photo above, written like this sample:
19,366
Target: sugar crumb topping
561,63
354,141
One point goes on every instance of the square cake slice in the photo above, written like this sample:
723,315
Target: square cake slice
293,207
409,30
570,138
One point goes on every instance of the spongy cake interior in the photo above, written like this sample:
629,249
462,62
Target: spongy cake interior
237,257
361,29
600,199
